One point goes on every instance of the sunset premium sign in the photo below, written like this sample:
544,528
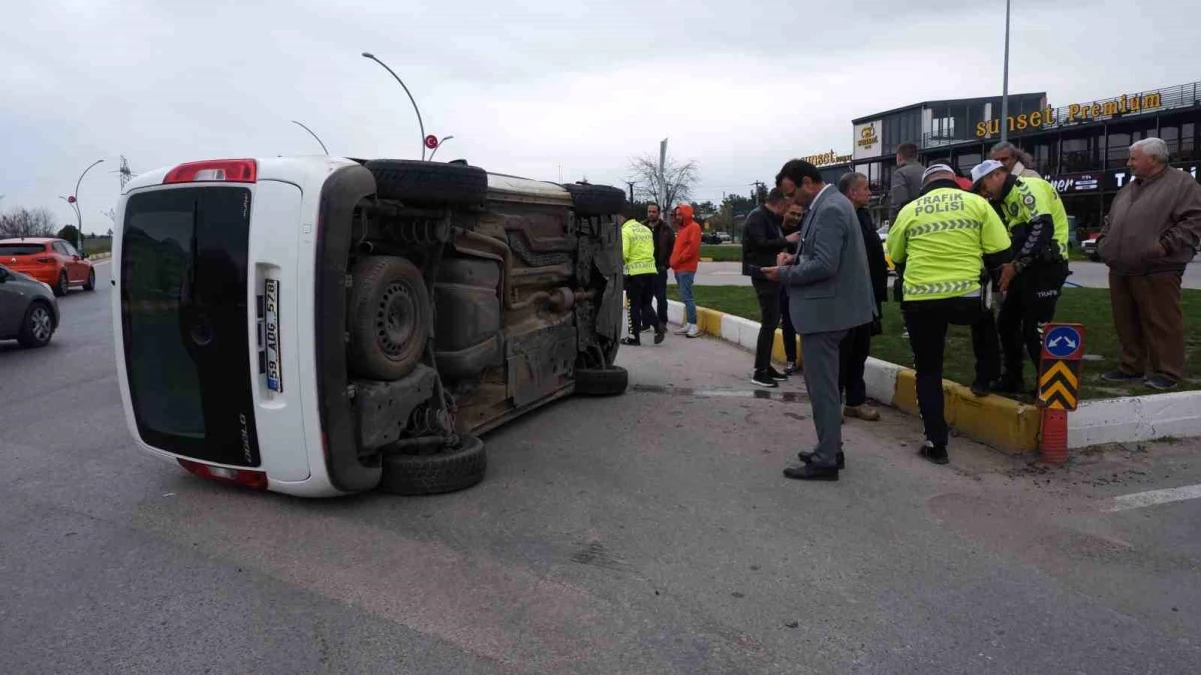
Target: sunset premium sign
827,158
1074,113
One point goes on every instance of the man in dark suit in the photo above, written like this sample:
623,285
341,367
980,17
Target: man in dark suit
829,292
762,241
858,344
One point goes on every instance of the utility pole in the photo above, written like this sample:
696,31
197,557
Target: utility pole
663,174
1005,82
631,184
125,172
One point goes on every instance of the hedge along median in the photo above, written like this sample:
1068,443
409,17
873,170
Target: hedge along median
1002,423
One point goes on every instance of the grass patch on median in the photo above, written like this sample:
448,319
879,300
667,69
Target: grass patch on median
1088,306
94,245
722,252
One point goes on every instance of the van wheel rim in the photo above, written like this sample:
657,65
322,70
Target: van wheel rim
40,324
395,319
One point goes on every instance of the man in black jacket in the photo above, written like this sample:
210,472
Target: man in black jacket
856,347
762,241
665,241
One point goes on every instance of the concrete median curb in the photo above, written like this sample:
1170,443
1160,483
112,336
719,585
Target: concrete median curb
999,422
100,256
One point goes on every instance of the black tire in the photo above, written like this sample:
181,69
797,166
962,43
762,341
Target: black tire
90,284
595,200
429,183
63,285
37,327
389,318
450,471
595,382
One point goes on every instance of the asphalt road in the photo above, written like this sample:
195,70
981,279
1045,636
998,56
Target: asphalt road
1086,274
650,533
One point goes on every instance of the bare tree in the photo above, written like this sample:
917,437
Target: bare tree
22,222
675,187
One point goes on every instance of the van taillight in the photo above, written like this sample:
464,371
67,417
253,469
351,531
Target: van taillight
251,479
227,170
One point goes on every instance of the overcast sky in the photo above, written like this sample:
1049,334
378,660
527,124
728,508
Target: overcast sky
529,86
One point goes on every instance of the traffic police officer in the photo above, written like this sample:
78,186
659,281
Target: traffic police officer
638,256
946,238
1038,228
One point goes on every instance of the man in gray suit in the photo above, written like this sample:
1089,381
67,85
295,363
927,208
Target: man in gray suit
829,293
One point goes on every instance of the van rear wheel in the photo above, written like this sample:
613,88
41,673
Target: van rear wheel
455,469
389,318
431,183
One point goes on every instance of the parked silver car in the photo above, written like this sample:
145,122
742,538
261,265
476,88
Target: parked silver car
28,309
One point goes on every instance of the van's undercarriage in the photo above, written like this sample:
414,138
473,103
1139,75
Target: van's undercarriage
447,306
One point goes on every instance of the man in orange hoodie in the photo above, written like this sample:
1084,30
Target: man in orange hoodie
685,256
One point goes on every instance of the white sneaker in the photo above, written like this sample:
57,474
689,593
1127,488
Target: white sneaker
684,329
693,331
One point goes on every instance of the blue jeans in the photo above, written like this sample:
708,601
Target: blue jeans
684,281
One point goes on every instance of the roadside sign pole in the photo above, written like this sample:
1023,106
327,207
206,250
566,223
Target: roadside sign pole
1059,386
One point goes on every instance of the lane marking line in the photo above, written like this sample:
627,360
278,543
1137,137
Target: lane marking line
767,394
1140,500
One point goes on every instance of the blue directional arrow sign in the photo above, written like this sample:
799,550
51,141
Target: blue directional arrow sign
1062,342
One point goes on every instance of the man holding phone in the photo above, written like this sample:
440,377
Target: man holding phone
762,240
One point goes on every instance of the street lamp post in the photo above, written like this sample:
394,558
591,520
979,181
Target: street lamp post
1005,82
438,146
313,134
420,124
78,213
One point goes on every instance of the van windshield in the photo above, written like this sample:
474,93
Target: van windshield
184,321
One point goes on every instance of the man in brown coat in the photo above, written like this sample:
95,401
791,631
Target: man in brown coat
1149,236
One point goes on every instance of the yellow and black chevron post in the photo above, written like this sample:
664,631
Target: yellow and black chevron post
1059,385
1059,376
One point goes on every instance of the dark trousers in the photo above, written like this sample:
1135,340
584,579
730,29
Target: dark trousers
659,292
768,293
927,322
1149,323
1029,305
641,290
790,351
852,353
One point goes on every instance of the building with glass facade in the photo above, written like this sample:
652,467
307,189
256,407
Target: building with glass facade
1081,148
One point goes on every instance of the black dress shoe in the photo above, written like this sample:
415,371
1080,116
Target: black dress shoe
1007,384
810,472
659,336
934,453
631,342
807,457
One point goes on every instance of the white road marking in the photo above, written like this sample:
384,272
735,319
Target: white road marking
1139,500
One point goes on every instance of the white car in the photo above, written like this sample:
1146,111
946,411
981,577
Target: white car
322,326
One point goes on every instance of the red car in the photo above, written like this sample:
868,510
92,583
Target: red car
52,261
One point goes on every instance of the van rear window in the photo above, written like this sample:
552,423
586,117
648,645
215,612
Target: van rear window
184,320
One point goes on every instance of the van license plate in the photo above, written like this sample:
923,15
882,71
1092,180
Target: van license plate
275,380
